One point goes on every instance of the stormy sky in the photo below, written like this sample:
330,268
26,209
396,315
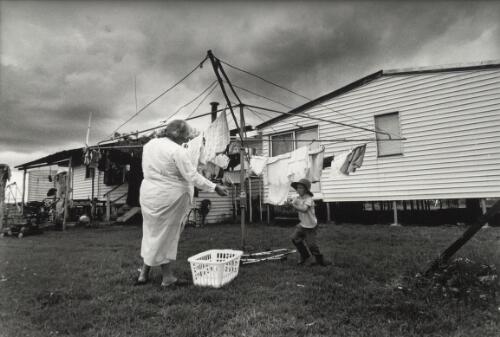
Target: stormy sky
62,60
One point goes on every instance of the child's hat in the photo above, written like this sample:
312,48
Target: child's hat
304,182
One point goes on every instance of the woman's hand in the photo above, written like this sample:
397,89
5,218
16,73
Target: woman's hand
221,190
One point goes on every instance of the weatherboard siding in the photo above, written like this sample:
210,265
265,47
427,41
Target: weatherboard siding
82,187
452,124
221,209
38,185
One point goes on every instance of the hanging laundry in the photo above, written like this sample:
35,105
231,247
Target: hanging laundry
221,160
316,165
354,160
348,161
216,138
337,163
278,179
91,158
195,148
258,164
298,164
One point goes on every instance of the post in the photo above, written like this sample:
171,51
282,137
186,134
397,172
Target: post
24,190
214,106
242,181
66,195
2,199
328,214
260,199
250,207
235,204
92,202
268,214
108,207
395,213
466,236
484,209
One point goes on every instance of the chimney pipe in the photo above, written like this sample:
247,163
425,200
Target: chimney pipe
215,106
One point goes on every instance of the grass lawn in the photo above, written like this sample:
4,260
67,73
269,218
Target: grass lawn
79,283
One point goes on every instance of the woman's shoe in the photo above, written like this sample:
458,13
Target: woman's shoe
141,282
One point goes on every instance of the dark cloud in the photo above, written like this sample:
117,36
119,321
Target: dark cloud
62,60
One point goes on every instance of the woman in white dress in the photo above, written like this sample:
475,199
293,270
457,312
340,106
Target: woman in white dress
166,197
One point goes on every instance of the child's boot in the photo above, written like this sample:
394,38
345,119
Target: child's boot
303,252
320,260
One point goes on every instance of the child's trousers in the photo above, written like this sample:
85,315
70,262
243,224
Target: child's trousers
308,235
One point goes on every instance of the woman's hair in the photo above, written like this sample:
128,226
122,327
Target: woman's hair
176,129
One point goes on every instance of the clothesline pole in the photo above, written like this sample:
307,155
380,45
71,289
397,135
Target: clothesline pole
242,182
250,208
216,65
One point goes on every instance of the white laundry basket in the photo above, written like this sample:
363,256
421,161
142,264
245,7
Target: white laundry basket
215,268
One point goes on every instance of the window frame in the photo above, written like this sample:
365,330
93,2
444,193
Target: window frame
400,134
89,172
294,137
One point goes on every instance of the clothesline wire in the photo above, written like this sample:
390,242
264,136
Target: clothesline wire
262,96
204,98
151,129
321,140
304,97
317,119
258,115
190,102
199,65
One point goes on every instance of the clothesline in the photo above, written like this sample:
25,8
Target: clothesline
293,92
162,94
319,119
191,101
156,127
324,140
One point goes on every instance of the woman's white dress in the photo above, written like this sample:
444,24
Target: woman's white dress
166,197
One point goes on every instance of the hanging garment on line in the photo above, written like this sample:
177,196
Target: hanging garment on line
347,162
354,160
194,149
337,163
258,164
278,179
222,161
316,165
298,164
216,138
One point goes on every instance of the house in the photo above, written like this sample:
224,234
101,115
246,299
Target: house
447,117
87,184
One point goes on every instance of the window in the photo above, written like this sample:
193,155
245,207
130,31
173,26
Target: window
281,143
388,123
287,142
303,137
89,172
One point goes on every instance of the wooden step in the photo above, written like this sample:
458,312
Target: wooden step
130,213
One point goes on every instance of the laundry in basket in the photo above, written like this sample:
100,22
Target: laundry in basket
215,267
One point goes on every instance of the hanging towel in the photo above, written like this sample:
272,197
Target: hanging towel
257,164
337,163
354,160
316,165
278,179
298,164
216,138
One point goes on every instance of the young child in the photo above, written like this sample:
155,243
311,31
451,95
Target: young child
304,236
